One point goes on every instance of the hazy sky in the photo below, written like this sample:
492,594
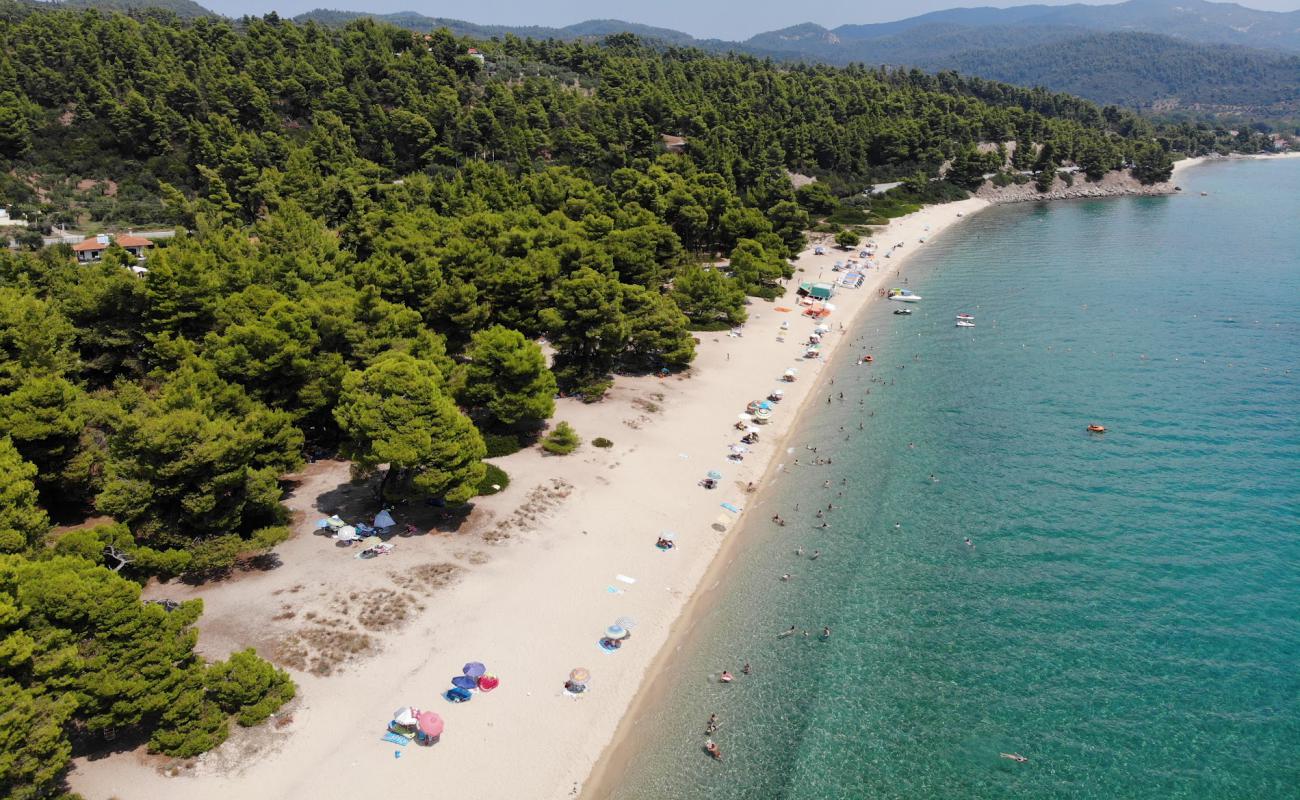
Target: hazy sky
723,19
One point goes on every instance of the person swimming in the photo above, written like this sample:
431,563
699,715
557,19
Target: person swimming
1016,757
826,632
969,543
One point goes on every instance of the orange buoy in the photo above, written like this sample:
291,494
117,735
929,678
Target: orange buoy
1096,428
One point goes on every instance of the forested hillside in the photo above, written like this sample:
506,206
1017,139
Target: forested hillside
377,228
1138,67
1143,70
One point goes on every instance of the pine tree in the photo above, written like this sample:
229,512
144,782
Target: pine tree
394,412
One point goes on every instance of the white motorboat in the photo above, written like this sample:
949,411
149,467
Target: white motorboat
962,323
903,295
968,317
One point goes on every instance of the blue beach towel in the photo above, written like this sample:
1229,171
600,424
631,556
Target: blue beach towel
395,738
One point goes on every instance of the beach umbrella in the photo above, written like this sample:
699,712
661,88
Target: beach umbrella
404,716
580,675
429,723
335,521
474,669
615,632
667,536
322,523
488,682
629,622
346,534
464,682
714,474
384,519
738,449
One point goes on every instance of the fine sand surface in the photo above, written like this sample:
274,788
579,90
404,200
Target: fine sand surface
527,584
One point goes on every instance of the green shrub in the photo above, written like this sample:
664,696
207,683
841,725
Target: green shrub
494,480
847,238
561,441
847,215
1067,177
501,444
191,725
601,441
249,687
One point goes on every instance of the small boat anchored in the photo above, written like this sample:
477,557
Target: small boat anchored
903,296
965,323
903,311
1096,429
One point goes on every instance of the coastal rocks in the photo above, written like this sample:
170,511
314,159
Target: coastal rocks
1113,184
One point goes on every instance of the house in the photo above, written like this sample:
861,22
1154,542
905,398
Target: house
135,245
673,144
92,248
476,55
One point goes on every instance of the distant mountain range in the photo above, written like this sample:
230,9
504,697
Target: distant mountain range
1190,20
1148,54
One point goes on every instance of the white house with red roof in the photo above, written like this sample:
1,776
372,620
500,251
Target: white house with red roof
92,248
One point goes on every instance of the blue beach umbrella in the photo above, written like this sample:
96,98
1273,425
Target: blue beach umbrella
464,682
615,632
474,669
714,474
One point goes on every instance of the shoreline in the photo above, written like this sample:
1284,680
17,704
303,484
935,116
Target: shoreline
622,748
565,550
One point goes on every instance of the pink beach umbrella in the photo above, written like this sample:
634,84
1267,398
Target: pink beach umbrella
430,724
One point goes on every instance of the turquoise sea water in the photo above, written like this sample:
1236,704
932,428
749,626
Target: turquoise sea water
1129,615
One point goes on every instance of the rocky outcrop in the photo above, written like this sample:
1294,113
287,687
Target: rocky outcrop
1114,184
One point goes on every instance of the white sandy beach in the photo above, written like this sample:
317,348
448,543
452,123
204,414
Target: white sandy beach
536,581
526,585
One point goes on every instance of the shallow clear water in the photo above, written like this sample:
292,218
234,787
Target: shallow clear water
1129,615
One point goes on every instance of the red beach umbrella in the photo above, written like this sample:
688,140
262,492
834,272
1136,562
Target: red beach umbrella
430,724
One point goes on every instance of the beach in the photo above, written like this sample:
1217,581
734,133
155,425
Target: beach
1102,616
526,584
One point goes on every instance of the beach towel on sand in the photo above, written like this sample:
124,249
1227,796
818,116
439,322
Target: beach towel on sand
395,738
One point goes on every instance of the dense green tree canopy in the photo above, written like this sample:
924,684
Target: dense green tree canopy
507,379
80,652
395,414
